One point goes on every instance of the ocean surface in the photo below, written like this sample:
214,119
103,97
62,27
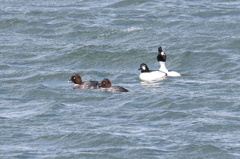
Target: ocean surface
195,116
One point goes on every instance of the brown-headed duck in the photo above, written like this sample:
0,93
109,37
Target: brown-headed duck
79,84
106,86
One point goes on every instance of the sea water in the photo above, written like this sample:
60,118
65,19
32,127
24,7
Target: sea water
44,42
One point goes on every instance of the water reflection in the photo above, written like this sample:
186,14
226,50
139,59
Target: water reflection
151,83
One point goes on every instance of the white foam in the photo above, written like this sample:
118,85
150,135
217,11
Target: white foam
131,29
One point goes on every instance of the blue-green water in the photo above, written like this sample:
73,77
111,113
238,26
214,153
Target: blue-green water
43,43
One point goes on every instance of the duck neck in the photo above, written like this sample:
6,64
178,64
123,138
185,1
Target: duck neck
162,66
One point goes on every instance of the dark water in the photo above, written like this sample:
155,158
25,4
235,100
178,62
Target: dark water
194,116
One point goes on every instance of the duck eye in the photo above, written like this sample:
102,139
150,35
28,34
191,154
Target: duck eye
74,78
103,83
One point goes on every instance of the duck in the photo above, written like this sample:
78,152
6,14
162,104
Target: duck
150,75
106,86
162,57
79,84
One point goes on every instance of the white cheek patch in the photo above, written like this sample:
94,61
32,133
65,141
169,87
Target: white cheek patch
144,67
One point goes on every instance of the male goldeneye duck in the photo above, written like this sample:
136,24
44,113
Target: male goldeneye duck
150,75
79,84
162,57
106,86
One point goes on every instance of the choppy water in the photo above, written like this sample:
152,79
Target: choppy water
194,116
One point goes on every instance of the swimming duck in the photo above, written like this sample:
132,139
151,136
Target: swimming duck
162,57
106,86
79,84
150,75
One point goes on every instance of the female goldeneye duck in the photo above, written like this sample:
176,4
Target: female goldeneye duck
162,57
79,84
106,86
150,75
